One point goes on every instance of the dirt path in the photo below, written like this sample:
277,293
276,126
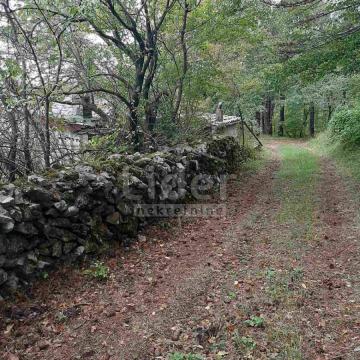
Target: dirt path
292,270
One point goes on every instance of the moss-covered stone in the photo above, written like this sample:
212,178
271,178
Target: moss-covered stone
87,208
70,175
91,247
136,171
228,149
129,226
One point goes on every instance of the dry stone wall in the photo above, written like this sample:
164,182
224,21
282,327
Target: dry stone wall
46,220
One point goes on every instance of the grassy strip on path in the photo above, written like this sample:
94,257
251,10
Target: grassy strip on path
262,313
296,189
299,243
284,230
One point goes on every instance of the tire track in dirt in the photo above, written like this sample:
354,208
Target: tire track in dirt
337,263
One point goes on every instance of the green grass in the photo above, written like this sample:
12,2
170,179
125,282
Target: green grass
285,287
296,188
289,342
347,158
243,345
256,163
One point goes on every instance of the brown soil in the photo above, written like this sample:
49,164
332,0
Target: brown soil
190,287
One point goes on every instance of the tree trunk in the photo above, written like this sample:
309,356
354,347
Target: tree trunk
263,129
312,119
11,164
133,115
150,115
135,102
305,118
282,116
27,152
47,133
180,85
268,115
330,111
150,106
87,108
258,118
27,116
13,146
134,122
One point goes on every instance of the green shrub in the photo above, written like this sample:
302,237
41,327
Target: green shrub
243,342
188,129
345,126
181,356
98,270
255,321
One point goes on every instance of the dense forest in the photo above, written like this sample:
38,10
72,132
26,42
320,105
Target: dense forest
148,70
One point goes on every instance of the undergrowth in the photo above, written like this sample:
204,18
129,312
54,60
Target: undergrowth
347,157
